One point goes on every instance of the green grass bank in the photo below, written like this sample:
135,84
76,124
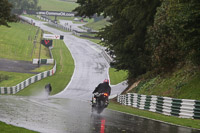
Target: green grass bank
97,25
16,43
57,5
65,68
183,83
117,76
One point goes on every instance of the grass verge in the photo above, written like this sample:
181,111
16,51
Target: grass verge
170,119
13,78
56,5
6,128
97,25
182,83
16,42
65,68
117,76
43,68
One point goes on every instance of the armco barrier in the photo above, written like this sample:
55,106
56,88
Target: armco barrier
43,61
27,82
183,108
106,56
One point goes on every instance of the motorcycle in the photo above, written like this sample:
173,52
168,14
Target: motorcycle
48,88
99,102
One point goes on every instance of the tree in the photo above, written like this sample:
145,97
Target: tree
175,35
162,41
126,34
25,4
5,13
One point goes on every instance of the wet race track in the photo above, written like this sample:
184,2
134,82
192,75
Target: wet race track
70,110
53,115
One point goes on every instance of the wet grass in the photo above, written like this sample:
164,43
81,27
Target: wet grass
192,123
97,25
182,83
13,78
117,76
43,68
65,68
5,128
57,5
16,42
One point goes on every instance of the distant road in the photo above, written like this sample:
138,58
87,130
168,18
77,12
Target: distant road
91,68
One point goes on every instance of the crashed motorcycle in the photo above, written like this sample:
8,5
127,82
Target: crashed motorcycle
99,102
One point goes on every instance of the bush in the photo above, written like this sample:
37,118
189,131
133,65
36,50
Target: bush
3,77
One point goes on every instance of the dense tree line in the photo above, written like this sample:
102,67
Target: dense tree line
7,6
126,34
25,4
148,35
174,36
5,13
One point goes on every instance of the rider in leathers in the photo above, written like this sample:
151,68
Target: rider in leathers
103,88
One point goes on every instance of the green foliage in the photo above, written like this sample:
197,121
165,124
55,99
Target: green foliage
5,13
97,25
182,83
148,35
25,4
126,33
162,42
174,36
3,77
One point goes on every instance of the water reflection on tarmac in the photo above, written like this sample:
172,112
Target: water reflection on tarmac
53,115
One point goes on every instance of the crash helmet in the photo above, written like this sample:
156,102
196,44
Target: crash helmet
106,81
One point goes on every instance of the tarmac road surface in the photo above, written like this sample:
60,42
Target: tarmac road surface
17,66
70,110
55,115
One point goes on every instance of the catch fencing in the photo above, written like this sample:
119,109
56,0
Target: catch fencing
27,82
183,108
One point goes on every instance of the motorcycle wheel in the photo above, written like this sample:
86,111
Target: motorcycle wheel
100,107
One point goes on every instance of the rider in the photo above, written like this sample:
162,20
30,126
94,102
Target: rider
48,88
103,88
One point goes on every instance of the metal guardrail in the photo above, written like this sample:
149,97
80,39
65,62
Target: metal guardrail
183,108
107,57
